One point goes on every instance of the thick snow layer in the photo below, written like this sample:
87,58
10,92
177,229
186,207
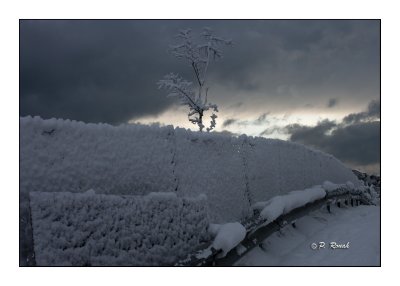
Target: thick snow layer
297,199
229,236
213,229
329,186
273,209
63,155
89,229
279,205
358,226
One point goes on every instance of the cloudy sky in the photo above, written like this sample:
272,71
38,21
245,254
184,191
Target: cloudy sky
314,82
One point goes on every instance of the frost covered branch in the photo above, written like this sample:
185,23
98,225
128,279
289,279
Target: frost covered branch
199,56
183,90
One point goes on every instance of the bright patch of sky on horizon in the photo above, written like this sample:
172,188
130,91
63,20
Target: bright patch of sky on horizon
246,121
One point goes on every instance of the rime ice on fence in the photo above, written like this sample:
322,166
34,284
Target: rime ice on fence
278,167
210,164
64,155
89,229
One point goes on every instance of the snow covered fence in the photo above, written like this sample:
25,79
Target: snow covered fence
211,164
234,173
276,167
68,156
90,229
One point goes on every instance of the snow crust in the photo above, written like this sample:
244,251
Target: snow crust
89,229
229,236
234,173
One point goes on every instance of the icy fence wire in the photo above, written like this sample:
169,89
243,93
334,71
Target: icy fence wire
63,155
88,229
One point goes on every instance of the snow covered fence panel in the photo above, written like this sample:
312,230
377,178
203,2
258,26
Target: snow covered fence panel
63,155
292,167
212,164
333,170
277,167
262,157
88,229
313,170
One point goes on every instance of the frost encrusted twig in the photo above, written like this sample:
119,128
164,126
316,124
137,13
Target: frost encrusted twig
199,56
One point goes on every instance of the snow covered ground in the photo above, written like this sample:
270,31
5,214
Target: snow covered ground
358,226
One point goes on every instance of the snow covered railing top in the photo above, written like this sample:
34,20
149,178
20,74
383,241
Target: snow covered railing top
232,240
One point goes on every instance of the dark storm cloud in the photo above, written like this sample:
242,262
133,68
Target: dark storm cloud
356,140
107,70
373,112
92,70
272,130
332,102
357,144
262,119
229,122
307,135
294,60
